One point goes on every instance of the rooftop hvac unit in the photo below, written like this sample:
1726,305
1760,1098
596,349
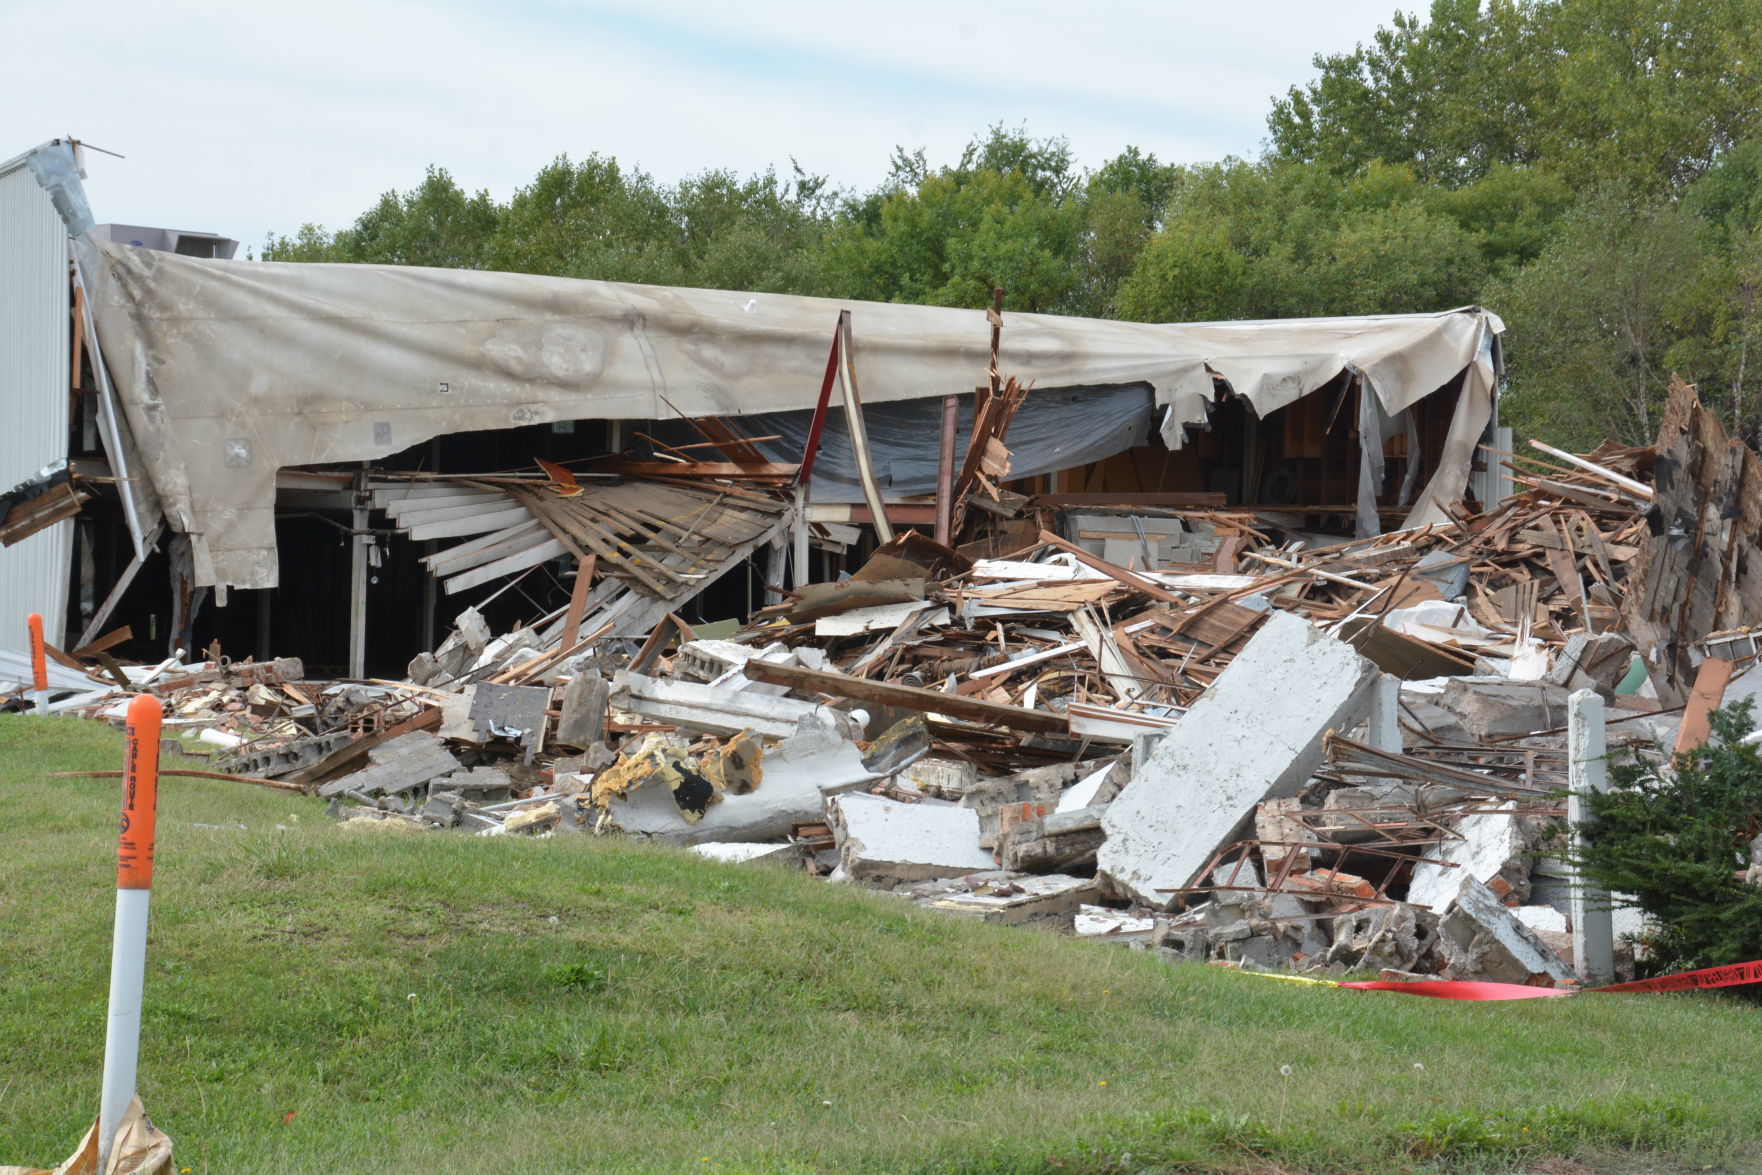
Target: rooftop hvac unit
168,240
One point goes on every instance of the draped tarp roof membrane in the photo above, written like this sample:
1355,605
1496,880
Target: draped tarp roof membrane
231,370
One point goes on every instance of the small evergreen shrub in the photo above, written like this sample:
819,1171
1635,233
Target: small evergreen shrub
1679,841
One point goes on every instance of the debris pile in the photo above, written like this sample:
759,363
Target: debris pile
1194,730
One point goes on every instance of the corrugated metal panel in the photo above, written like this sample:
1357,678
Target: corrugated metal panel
35,353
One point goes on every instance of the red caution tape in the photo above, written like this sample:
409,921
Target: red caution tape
1460,989
1457,989
1728,976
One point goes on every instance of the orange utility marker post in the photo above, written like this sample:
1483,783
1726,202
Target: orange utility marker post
134,885
39,670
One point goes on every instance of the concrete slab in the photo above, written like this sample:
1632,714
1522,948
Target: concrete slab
1050,900
1487,708
1493,850
1254,735
717,710
399,765
581,716
511,711
884,840
1483,939
1101,922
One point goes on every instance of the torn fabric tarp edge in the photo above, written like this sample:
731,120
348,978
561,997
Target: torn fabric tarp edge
229,371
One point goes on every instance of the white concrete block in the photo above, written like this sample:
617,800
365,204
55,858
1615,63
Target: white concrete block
719,711
1541,919
1484,940
1255,734
1103,922
884,840
1490,842
1082,793
1051,898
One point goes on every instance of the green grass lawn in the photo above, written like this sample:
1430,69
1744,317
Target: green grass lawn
321,1000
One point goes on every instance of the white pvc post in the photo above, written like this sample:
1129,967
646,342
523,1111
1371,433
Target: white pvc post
39,669
1593,925
134,886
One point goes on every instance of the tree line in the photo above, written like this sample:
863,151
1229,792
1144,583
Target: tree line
1590,170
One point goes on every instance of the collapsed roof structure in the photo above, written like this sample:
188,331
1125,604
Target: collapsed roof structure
210,379
229,371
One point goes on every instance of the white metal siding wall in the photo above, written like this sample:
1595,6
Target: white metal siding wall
35,353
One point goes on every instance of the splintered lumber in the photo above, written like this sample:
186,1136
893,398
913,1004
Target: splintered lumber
771,472
1637,488
279,785
906,697
1111,570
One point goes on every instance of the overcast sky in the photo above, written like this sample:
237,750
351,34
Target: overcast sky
245,118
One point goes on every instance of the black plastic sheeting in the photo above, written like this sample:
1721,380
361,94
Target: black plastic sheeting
1056,428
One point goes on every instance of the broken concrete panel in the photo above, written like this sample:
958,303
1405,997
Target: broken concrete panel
1541,919
1494,850
884,840
398,765
456,715
1596,662
716,710
1055,843
1360,810
1400,936
1254,735
1102,923
581,716
483,785
511,711
1482,939
945,779
1491,707
1038,787
1260,952
1087,790
998,896
442,809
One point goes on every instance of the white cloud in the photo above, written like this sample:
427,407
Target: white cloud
245,118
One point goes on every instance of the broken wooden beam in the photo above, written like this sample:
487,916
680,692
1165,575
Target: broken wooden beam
906,697
220,775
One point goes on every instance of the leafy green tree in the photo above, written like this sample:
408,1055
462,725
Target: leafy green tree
1123,202
759,233
1645,92
1678,842
1279,239
1008,215
587,219
1597,323
1448,97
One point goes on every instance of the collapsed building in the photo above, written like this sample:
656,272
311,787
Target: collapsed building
228,418
1247,640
